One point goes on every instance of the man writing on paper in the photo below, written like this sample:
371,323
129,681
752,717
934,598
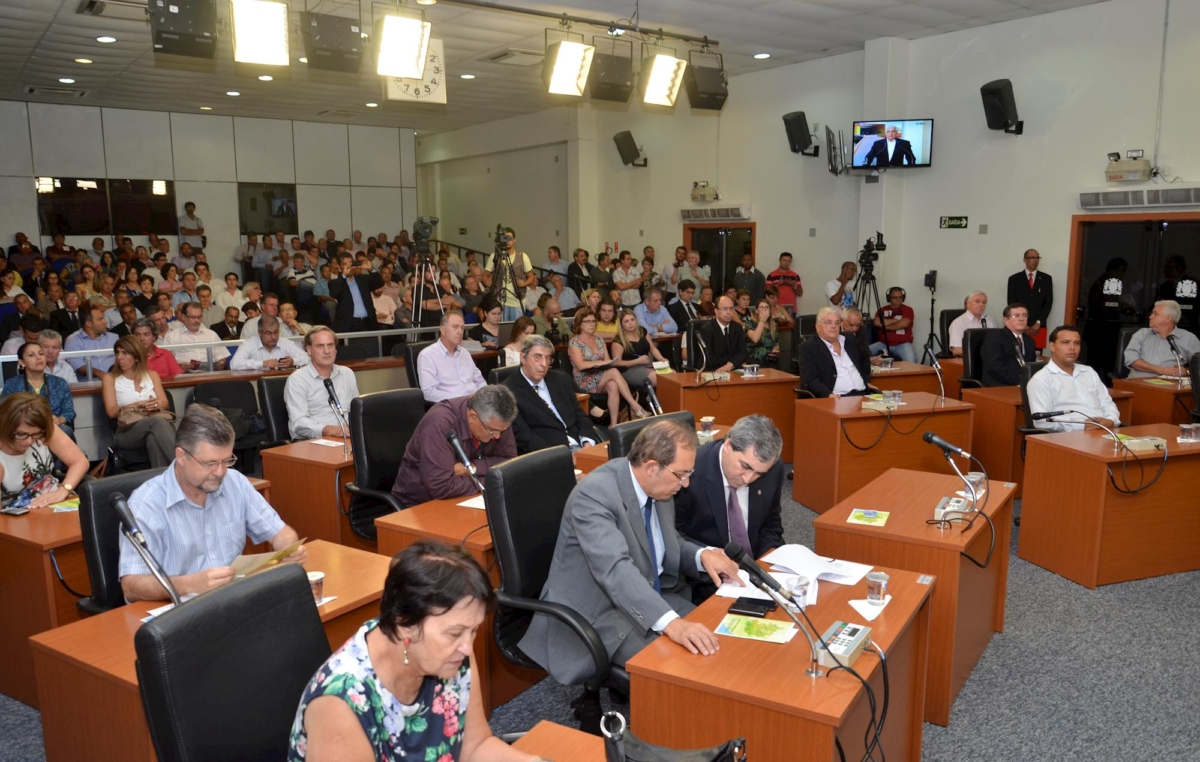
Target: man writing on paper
197,514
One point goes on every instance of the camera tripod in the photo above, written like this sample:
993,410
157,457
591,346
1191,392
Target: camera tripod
425,265
929,356
866,289
504,278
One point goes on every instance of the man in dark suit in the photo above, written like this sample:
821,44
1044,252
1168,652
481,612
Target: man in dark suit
1006,351
833,363
1034,289
68,320
620,562
12,323
734,494
230,328
724,340
352,289
579,272
681,309
547,413
892,151
129,316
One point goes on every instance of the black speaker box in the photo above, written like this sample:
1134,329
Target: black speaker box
798,135
184,27
707,87
626,147
332,43
611,78
999,105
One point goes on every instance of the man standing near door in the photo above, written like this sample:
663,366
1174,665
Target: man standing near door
1034,289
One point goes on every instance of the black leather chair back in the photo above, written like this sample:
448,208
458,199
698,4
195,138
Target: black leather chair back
498,375
274,408
411,350
1028,372
807,326
234,394
350,352
1194,373
621,436
380,426
695,355
677,353
1119,369
102,535
972,354
945,318
221,675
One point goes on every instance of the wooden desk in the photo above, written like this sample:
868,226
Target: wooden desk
1075,524
967,605
1157,403
833,468
87,680
771,394
34,599
588,459
447,521
310,490
952,370
906,377
759,690
561,744
995,439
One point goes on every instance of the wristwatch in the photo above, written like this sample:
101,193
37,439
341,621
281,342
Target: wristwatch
67,486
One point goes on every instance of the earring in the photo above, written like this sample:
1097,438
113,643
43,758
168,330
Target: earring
406,642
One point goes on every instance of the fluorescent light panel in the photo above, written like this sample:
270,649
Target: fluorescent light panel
664,75
568,63
260,32
403,44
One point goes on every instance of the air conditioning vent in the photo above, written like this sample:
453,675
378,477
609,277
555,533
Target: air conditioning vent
126,9
737,212
1162,196
513,57
56,92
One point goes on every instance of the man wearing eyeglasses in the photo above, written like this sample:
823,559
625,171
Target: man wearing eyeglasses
1034,289
197,514
620,562
430,468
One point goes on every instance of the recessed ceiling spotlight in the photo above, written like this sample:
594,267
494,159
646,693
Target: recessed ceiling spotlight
761,56
106,39
467,76
372,105
303,59
265,77
233,93
66,80
83,60
206,108
426,2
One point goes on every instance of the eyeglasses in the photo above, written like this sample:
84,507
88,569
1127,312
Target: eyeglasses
1032,258
212,465
25,436
682,477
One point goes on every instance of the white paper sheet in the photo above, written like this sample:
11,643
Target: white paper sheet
730,590
325,442
868,611
475,502
800,560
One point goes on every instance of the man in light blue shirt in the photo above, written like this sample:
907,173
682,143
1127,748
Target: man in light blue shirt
92,335
197,514
653,316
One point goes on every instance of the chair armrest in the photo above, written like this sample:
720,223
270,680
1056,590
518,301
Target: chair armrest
89,606
572,619
375,494
1030,431
971,382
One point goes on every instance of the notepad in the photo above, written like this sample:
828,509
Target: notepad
868,517
247,564
754,628
475,502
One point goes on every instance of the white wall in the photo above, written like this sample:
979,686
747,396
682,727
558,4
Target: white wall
347,177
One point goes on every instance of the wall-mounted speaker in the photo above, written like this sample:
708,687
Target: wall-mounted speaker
628,149
798,135
331,43
1000,107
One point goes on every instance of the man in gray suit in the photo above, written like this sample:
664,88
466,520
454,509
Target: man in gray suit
619,559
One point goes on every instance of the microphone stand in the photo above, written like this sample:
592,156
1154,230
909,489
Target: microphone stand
344,424
1117,445
702,365
474,478
152,563
814,667
970,487
937,368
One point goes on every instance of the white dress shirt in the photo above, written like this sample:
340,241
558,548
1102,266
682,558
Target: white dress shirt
965,322
179,334
1052,389
225,300
848,378
307,400
252,354
250,329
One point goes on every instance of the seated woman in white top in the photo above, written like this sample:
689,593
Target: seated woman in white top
29,443
131,386
522,327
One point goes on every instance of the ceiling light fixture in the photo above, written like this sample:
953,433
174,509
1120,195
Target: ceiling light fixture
466,76
303,59
403,44
260,32
762,56
661,75
426,2
615,32
83,60
206,108
265,77
566,66
233,93
106,39
372,105
66,80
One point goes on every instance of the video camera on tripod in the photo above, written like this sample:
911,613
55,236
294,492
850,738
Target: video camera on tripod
870,253
422,232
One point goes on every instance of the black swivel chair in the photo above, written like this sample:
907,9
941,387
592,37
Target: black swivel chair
525,499
102,536
221,675
235,394
351,352
122,461
274,409
411,351
380,426
972,377
945,318
499,375
621,436
1119,368
1194,373
1028,372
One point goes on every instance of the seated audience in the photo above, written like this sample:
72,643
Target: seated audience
197,515
31,328
521,328
896,318
289,321
1005,352
305,395
762,335
487,332
209,312
158,359
134,397
266,352
634,353
51,343
620,562
592,299
1068,386
30,441
231,295
547,412
833,364
564,295
191,330
69,319
93,335
1153,351
606,319
9,290
741,305
593,369
653,316
551,320
128,317
724,347
681,308
445,370
32,377
271,305
51,302
430,470
974,317
229,329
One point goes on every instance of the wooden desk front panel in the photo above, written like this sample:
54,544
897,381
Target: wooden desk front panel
1157,403
772,396
308,486
952,370
906,377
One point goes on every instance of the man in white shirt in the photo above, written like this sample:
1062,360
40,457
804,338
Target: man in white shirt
672,273
191,330
830,365
301,278
266,352
52,344
628,280
974,317
306,396
270,306
838,292
191,228
694,271
445,370
1064,385
231,295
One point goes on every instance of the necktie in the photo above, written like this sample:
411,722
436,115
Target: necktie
691,313
737,525
653,553
538,389
74,320
983,322
1031,280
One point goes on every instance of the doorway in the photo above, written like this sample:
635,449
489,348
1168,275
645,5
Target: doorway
721,246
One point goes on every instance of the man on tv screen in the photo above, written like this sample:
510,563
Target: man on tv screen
892,151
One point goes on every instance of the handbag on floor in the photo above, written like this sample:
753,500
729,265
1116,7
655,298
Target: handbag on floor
621,745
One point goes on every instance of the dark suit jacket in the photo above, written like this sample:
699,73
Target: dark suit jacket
680,315
60,320
579,278
339,289
720,348
120,329
700,508
818,373
903,154
224,333
999,357
1038,299
536,427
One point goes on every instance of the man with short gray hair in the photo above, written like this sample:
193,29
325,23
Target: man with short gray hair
735,494
266,351
1164,348
430,469
547,412
197,514
51,343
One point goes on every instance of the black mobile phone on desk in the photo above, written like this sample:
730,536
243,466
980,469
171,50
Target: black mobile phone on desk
752,607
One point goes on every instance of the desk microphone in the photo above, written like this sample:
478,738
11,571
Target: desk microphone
1044,416
738,555
134,533
653,395
934,439
333,400
1178,358
121,506
452,438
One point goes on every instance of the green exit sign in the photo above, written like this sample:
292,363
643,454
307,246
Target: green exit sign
951,223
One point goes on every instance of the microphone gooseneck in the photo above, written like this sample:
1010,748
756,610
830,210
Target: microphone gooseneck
134,534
